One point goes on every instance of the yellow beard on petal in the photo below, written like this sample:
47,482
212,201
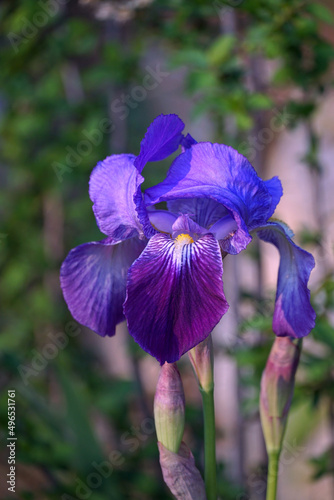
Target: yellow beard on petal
180,241
183,239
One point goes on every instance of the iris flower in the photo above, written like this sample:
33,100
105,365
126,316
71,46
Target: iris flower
161,270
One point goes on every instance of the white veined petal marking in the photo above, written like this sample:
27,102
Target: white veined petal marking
180,242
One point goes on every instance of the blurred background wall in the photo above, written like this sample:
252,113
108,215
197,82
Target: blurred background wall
81,80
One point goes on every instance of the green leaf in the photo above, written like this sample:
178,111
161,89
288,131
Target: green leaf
243,121
86,446
202,80
323,464
321,12
190,57
221,49
324,332
259,101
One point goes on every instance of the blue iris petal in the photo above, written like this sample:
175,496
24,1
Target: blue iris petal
187,142
162,220
162,138
275,189
220,173
113,182
294,315
175,295
93,280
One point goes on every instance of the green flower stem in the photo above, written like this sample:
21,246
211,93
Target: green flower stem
209,444
273,465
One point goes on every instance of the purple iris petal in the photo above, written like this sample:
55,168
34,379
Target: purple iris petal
202,210
143,215
220,173
162,138
162,220
274,187
187,142
223,231
184,224
112,186
175,295
294,315
93,280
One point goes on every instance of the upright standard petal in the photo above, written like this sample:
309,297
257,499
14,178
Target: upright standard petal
142,213
275,189
220,173
162,138
112,186
294,315
93,280
175,294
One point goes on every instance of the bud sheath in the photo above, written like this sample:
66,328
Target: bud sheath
277,386
180,474
201,358
169,408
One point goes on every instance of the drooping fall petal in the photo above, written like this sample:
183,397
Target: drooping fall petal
293,316
93,280
175,294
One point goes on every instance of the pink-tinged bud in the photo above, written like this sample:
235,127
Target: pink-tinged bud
169,408
277,386
201,358
180,473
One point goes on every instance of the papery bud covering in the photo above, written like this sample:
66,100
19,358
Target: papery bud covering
180,473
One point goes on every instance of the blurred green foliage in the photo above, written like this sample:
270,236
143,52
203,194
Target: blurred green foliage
61,70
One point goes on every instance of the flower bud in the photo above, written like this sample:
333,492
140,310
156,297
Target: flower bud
277,386
180,474
169,408
201,358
